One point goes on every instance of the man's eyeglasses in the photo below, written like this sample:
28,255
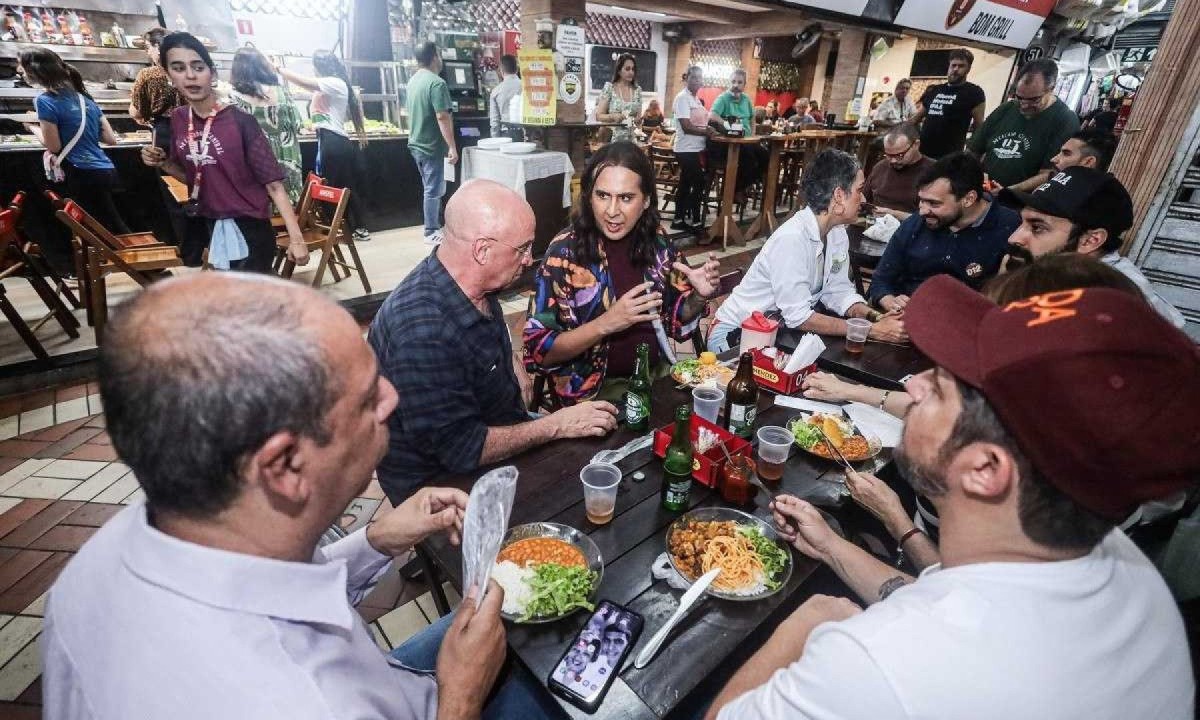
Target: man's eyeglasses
1035,100
525,250
900,155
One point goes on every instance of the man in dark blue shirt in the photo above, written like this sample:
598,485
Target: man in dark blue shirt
958,230
441,340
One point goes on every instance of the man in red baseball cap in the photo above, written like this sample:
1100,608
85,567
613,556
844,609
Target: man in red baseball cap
1044,423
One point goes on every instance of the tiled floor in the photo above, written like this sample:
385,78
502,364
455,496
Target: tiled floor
60,481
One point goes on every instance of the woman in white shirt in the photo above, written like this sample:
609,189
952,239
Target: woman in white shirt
338,157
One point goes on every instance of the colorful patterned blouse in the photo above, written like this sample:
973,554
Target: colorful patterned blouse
567,295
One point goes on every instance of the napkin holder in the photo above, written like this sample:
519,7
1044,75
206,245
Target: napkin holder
773,378
706,467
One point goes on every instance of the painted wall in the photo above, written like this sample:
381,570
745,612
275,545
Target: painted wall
657,46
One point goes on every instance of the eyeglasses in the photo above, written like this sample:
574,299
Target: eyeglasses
900,155
1029,100
525,250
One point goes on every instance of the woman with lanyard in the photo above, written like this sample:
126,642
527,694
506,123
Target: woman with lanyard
610,282
224,158
338,157
621,100
71,126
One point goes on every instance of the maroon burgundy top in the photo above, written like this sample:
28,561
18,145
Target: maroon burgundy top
238,166
622,347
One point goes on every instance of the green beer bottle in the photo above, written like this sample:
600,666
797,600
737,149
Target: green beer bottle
677,463
637,396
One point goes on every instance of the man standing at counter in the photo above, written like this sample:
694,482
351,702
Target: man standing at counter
431,138
509,87
945,111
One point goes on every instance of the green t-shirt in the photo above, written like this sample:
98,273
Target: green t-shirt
725,106
1014,147
427,96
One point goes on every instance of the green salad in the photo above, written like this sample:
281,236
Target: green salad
774,558
807,436
558,589
687,370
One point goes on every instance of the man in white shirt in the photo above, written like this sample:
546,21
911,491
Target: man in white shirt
252,412
807,261
1040,608
1080,209
691,137
509,87
897,109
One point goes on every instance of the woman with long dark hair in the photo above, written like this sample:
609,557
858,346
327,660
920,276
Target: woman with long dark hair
227,163
608,280
333,101
84,173
257,91
621,99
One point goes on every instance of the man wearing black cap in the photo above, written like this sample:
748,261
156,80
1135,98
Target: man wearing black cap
1042,426
1080,210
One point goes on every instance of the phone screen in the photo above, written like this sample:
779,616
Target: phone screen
595,656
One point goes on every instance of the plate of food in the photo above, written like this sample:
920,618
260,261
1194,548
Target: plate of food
702,370
548,571
754,561
854,445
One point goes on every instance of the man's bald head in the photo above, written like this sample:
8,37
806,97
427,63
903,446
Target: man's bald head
484,208
197,373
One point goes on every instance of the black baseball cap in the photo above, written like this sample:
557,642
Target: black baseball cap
1085,196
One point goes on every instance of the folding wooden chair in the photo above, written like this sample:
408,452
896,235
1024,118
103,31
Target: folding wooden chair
324,237
100,254
32,255
15,265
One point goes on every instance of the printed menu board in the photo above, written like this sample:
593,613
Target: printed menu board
537,87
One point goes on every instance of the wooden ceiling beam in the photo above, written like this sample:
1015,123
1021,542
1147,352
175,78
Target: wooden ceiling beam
768,24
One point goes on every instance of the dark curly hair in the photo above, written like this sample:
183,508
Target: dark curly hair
585,243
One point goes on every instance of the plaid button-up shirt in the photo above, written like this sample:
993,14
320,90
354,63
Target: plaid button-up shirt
452,367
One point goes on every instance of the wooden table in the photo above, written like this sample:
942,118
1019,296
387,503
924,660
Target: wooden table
726,226
549,490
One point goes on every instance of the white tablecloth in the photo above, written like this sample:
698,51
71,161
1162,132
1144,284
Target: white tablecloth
515,170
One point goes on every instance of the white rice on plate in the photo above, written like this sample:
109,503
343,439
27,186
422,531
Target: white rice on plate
515,581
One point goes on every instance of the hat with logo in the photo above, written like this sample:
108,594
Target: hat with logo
1100,393
1085,196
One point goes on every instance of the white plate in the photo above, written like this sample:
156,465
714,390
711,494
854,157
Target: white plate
488,143
518,148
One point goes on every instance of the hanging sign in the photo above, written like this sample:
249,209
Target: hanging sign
537,87
570,40
1011,23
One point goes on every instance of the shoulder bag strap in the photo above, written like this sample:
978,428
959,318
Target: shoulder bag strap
66,150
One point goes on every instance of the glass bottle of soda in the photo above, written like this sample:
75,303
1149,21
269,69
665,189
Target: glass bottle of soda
741,399
677,463
637,396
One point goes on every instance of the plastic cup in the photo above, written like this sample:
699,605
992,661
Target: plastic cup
600,481
706,402
856,334
774,444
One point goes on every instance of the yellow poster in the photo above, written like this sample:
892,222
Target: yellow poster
538,87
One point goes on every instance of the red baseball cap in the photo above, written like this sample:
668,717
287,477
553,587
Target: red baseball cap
1101,394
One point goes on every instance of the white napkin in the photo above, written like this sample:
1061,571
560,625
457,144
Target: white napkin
882,230
872,420
807,352
800,403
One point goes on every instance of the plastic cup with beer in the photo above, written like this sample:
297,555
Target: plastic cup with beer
600,481
774,443
856,334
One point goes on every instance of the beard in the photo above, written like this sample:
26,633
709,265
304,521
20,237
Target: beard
926,479
940,223
1018,256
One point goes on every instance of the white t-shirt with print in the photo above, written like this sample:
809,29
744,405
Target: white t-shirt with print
1096,637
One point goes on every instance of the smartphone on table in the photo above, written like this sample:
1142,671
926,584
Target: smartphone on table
594,658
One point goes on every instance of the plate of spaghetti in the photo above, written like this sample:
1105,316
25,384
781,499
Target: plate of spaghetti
754,562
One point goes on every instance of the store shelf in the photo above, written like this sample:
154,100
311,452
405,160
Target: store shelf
82,53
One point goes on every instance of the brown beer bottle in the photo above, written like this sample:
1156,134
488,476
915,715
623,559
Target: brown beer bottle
741,399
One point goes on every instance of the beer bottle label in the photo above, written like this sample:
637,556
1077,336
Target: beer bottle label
677,493
741,419
635,408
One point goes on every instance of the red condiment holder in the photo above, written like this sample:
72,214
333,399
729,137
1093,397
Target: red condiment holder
706,467
768,376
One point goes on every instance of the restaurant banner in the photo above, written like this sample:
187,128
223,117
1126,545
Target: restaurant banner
538,87
1011,23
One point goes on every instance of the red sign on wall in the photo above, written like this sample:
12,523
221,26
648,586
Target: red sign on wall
245,27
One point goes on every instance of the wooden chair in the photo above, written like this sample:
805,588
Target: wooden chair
100,254
666,173
324,237
32,255
16,264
